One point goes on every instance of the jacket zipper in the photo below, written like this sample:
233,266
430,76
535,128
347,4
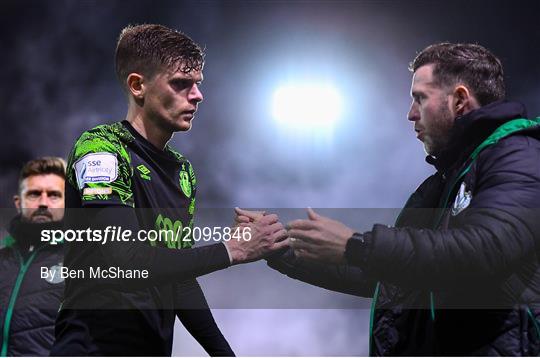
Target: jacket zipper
501,132
372,318
13,297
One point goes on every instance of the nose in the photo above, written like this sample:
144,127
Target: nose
195,94
44,201
414,113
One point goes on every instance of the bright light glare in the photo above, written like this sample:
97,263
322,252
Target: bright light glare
307,106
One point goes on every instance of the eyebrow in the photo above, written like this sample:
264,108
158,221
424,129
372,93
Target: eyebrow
185,76
39,191
185,80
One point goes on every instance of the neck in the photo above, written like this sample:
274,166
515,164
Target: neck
148,129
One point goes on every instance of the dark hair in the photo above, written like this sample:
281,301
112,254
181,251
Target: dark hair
147,48
42,166
470,64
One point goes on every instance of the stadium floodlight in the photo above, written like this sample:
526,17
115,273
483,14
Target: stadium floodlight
307,107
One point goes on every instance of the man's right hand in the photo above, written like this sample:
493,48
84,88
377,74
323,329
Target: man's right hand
267,235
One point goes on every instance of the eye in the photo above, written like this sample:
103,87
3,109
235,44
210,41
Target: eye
33,195
55,195
418,98
181,84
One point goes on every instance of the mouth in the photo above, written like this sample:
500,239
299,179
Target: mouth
41,217
419,134
190,113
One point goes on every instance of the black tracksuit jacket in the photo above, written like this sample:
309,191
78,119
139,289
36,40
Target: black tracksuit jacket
459,272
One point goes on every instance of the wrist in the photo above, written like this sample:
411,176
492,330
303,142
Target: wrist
358,249
228,252
235,255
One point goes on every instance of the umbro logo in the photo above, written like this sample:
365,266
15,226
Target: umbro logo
144,172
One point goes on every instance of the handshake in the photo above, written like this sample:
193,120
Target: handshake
316,238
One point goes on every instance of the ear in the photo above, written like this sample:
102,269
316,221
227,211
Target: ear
135,85
17,202
463,101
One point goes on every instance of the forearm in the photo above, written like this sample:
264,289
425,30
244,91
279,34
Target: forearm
340,278
485,248
163,265
194,313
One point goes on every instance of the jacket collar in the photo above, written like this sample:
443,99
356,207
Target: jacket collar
25,234
472,129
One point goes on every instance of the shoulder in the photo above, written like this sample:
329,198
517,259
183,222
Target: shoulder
508,174
516,152
175,154
105,144
100,155
103,138
184,162
7,243
187,174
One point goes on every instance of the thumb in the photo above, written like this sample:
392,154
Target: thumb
253,215
312,215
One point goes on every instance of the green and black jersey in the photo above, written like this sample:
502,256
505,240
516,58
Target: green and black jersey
114,165
117,178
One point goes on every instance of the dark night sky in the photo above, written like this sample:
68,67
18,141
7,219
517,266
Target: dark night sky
58,80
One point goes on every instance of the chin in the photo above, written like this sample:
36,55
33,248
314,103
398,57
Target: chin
182,126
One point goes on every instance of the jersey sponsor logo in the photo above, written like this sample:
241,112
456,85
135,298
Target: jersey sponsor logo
185,183
174,233
463,200
96,168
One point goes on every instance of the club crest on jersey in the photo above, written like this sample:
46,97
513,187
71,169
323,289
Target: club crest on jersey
185,183
463,200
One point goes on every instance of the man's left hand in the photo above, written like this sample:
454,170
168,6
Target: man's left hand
319,238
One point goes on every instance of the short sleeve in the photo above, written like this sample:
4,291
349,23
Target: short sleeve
100,171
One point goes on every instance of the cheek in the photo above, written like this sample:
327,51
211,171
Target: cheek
172,104
159,104
58,213
29,205
167,101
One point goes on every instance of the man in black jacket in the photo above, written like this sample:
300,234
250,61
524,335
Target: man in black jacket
29,300
459,273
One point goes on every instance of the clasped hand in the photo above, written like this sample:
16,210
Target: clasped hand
317,238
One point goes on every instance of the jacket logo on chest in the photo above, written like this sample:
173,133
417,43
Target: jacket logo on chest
185,183
53,274
463,200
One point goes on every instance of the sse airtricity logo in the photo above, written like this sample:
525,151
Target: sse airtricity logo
96,168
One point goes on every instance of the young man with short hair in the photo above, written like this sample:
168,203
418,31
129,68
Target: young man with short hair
126,175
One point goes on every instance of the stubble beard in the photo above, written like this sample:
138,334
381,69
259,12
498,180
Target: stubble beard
439,138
